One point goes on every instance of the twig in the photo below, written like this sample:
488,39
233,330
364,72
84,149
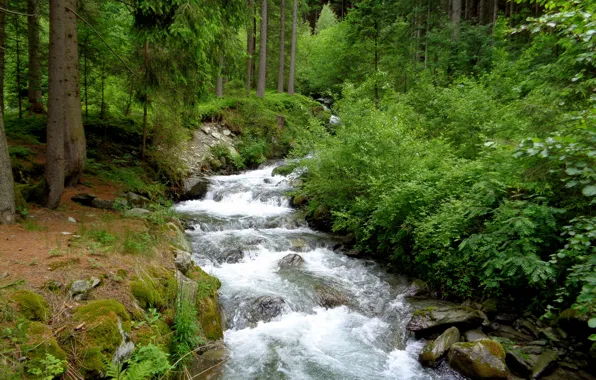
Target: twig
104,41
15,13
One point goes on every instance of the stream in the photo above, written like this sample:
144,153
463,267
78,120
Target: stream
276,324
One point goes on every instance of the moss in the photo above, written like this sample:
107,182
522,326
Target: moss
31,305
155,288
41,343
101,336
494,348
285,170
207,303
159,334
145,293
490,305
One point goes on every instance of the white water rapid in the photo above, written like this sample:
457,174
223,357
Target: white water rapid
240,232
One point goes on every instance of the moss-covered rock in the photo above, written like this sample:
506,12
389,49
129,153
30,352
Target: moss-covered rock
31,305
483,359
155,288
42,343
432,319
100,337
435,349
176,236
208,303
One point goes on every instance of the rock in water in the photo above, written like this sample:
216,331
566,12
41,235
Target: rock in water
232,256
435,349
483,359
329,297
194,188
291,260
425,321
265,308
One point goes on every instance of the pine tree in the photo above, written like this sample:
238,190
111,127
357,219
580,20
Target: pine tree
34,92
293,52
263,52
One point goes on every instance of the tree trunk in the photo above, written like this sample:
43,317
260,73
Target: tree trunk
282,40
219,87
86,88
144,146
293,52
7,205
54,174
263,52
18,76
467,11
456,12
2,52
481,11
250,46
145,102
495,11
75,145
35,98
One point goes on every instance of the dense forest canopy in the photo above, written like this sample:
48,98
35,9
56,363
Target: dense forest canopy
466,151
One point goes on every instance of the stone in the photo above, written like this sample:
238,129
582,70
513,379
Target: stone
233,256
508,332
71,219
80,288
474,335
95,282
489,306
532,350
431,319
182,260
194,188
136,200
103,204
126,348
417,288
538,343
506,318
544,364
528,327
84,199
436,349
226,132
329,297
484,359
298,245
291,260
177,237
137,213
265,308
549,334
520,363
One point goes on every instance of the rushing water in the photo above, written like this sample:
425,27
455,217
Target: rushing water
240,231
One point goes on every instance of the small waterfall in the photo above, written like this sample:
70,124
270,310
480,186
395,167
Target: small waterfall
326,317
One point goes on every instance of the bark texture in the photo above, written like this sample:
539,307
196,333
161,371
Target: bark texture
250,46
293,52
54,174
34,90
7,205
75,146
263,52
2,41
282,41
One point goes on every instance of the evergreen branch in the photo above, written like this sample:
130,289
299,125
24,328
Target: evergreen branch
104,41
15,13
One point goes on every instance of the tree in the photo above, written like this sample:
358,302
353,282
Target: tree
34,91
54,174
263,51
282,40
293,52
2,55
75,146
7,204
250,45
326,19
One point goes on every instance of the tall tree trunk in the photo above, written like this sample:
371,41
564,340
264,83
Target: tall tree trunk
145,102
7,204
481,11
467,11
293,52
263,52
219,87
2,52
495,11
85,85
18,76
250,46
54,174
35,98
144,146
282,41
456,16
75,145
102,106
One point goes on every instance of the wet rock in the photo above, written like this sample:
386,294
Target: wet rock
298,201
506,318
194,188
79,289
137,213
527,327
329,297
519,362
417,288
126,348
549,334
84,199
490,306
233,256
182,260
538,343
484,359
321,219
291,260
546,361
207,363
431,319
136,200
532,350
298,245
265,308
353,252
103,204
508,332
435,349
474,335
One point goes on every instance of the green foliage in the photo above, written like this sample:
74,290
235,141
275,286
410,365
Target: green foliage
48,368
148,362
19,151
187,330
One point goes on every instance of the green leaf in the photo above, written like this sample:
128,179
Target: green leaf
589,191
592,337
592,323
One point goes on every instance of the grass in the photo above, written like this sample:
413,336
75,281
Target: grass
32,225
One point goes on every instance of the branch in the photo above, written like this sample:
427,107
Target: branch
104,41
15,13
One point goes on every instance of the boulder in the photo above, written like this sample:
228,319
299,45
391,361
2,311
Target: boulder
417,288
182,260
474,335
137,213
207,364
298,245
519,362
102,204
431,319
508,332
136,200
435,349
329,297
79,289
177,237
483,359
84,199
194,188
232,256
321,219
291,260
546,361
265,308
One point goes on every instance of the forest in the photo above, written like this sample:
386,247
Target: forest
463,150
